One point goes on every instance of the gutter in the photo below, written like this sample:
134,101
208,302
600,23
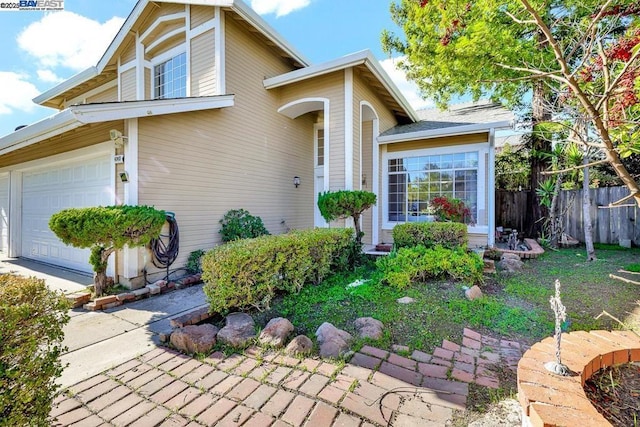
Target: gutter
448,131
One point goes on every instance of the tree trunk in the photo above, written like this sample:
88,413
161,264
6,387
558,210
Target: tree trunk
554,229
100,268
540,114
586,212
356,225
99,282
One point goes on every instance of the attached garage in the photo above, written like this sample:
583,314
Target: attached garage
47,190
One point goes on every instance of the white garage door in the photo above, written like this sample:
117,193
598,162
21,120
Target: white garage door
47,191
4,212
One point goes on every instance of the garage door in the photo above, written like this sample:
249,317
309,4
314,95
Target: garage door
4,212
47,191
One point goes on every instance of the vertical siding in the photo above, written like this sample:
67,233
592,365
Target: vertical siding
203,66
202,164
109,95
201,14
128,85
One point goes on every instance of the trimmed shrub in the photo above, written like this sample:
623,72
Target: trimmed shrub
344,204
419,264
31,321
193,262
105,229
249,272
429,234
240,224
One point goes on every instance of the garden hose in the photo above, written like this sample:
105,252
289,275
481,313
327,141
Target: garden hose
165,248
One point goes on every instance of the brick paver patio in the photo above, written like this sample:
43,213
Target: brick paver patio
256,389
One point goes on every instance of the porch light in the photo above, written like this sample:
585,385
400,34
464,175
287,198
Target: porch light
296,181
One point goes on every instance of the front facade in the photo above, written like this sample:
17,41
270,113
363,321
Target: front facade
199,107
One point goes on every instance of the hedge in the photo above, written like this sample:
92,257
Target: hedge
429,234
31,321
249,272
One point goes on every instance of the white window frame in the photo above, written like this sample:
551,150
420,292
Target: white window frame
481,149
164,57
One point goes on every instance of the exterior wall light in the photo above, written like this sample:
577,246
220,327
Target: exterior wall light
296,181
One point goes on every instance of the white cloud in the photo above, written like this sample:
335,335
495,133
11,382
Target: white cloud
68,39
16,93
409,89
279,7
49,76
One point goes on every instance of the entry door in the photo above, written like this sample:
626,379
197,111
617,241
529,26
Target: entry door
318,174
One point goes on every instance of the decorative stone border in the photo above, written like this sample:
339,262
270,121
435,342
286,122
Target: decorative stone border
535,252
549,400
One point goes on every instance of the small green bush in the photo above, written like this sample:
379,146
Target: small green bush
31,321
419,264
249,272
446,234
194,262
240,224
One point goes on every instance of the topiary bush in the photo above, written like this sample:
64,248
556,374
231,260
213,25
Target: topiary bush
419,264
105,229
344,204
240,224
447,234
249,272
31,322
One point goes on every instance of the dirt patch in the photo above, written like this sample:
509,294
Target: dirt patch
615,392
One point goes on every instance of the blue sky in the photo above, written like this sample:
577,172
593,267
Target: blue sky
43,48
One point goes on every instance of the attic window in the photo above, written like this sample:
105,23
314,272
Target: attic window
170,78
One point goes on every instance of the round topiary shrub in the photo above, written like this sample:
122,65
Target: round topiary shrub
240,224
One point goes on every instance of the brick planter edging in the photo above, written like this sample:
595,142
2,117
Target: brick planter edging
549,400
535,252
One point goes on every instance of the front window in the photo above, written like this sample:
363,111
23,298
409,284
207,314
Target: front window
320,147
170,78
415,181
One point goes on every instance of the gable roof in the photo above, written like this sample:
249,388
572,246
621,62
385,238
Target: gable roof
364,57
237,6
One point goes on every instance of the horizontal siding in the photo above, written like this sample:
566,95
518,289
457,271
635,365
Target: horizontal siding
475,138
129,52
161,9
203,67
83,137
201,14
367,149
148,84
128,85
109,95
169,44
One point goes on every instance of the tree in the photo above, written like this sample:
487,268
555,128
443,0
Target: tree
106,229
344,204
577,53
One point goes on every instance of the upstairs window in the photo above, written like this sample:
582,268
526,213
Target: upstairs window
170,78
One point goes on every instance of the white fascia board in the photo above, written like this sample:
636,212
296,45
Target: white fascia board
79,115
348,61
448,131
70,83
96,113
267,30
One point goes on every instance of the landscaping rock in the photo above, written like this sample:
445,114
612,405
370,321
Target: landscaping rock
194,338
300,345
238,331
405,300
511,265
508,255
473,293
276,332
368,327
333,342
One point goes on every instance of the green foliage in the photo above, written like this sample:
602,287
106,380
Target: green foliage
545,191
512,168
447,234
194,261
249,272
635,267
31,321
419,264
240,224
345,203
113,226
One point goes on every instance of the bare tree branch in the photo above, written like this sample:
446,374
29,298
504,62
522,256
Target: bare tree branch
574,168
624,199
536,73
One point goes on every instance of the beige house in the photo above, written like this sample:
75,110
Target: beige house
218,112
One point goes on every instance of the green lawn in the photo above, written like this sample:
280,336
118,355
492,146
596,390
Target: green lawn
515,306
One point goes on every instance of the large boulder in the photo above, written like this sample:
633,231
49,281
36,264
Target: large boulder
300,345
238,331
333,342
194,338
276,332
368,327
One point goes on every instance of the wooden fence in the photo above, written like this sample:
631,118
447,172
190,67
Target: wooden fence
610,225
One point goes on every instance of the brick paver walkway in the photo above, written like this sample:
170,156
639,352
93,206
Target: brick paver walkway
256,389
